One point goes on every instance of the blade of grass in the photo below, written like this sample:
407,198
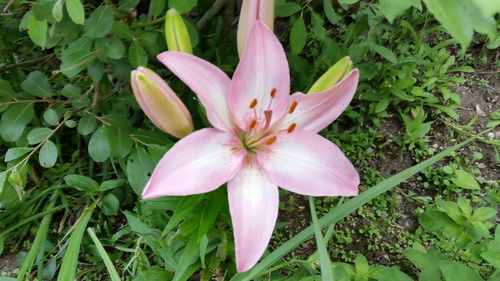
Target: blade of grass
30,219
41,234
344,210
70,259
324,257
113,274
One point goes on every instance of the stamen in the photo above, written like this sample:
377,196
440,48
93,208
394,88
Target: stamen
253,104
273,93
292,107
268,114
252,124
271,140
292,127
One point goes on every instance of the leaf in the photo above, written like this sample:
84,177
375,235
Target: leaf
99,149
210,211
348,2
384,52
57,10
154,273
100,22
14,153
6,90
37,31
37,135
139,168
86,125
70,258
298,36
3,177
391,9
483,214
119,141
112,184
37,243
82,183
286,9
182,6
492,258
135,224
188,257
452,14
340,212
14,120
113,274
115,49
73,63
156,7
330,12
453,271
110,205
50,116
324,257
465,180
37,84
48,154
95,70
76,11
137,55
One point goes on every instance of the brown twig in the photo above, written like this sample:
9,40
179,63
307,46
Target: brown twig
26,63
212,12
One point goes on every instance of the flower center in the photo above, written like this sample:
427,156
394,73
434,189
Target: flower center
258,133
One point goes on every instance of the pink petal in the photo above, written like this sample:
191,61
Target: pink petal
315,112
306,163
206,80
263,67
251,11
198,163
253,203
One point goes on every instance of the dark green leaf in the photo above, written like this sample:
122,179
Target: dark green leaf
48,154
37,84
76,11
100,22
82,183
298,36
99,148
14,120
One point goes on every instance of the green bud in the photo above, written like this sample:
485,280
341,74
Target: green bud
332,76
176,33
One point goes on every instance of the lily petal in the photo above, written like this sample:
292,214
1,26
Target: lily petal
198,163
206,80
306,163
315,112
263,67
253,203
252,10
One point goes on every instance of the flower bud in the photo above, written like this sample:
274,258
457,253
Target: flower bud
176,33
332,76
160,103
251,11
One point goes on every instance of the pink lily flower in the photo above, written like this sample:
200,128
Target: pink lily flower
262,138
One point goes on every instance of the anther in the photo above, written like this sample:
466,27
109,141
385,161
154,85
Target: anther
292,127
292,107
273,93
271,140
253,104
252,124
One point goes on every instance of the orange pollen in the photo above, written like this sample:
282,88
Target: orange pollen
292,107
271,140
292,127
273,93
253,104
252,124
